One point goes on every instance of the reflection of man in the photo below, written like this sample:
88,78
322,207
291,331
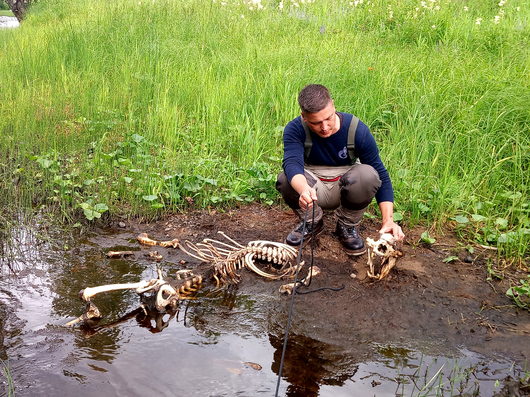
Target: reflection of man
331,161
308,364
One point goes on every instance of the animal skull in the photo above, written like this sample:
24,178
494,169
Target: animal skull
383,248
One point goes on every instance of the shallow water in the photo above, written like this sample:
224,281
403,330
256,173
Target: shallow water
203,349
8,22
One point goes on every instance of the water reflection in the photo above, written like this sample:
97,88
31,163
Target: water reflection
308,364
8,22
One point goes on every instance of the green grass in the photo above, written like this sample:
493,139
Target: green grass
8,379
140,107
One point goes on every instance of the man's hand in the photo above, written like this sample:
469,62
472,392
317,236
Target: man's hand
307,197
392,228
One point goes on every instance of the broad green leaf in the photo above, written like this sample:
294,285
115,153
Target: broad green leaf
423,208
426,238
101,207
478,218
91,214
371,216
137,138
461,219
191,187
450,259
127,179
502,223
503,238
150,197
398,216
44,163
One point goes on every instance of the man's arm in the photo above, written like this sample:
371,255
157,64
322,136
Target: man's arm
389,226
306,192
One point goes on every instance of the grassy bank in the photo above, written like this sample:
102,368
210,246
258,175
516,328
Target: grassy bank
149,106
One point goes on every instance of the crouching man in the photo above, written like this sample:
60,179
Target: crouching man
331,161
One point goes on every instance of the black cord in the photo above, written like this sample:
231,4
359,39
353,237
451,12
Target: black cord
321,289
291,305
296,292
310,274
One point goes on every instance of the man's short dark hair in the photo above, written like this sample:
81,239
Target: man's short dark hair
313,98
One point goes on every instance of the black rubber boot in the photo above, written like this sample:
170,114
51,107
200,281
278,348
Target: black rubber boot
295,237
351,241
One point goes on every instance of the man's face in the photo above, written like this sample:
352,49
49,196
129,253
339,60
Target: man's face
325,122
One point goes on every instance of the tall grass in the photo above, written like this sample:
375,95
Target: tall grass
157,104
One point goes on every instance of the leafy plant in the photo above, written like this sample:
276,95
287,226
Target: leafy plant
450,258
521,293
93,211
426,238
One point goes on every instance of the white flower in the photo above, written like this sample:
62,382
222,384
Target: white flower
497,19
517,9
478,21
280,6
433,26
423,4
466,8
502,2
437,8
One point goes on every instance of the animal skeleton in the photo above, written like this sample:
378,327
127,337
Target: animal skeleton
226,259
383,248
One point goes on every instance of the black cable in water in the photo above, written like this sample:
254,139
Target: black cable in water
291,305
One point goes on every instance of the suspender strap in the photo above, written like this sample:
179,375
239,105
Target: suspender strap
351,138
308,144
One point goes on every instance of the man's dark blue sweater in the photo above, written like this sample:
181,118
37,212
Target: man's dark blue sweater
332,151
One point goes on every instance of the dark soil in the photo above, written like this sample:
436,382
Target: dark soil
445,306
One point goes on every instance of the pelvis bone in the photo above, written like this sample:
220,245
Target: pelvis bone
386,253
